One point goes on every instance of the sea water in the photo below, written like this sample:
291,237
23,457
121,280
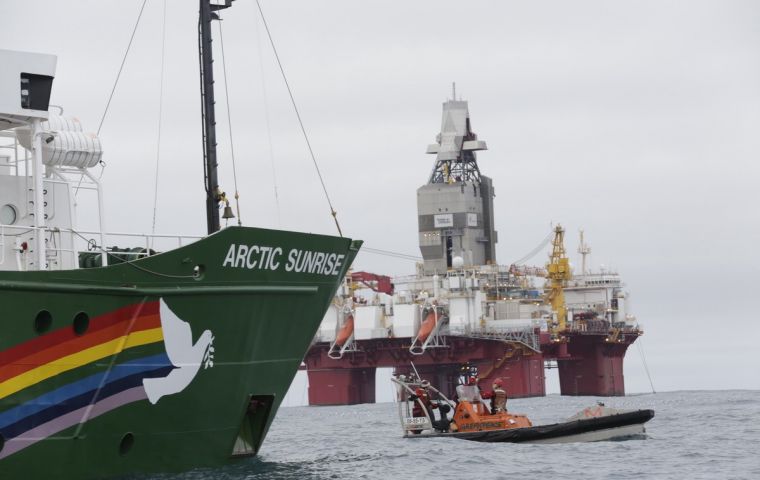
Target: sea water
694,435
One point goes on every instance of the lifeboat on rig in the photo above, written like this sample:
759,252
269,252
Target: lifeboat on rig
473,420
344,337
427,335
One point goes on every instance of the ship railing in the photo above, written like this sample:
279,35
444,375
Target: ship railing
141,244
149,241
14,235
523,335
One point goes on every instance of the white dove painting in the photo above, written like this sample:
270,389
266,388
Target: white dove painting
186,357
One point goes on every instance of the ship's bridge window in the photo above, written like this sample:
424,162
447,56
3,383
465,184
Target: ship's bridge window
35,91
8,214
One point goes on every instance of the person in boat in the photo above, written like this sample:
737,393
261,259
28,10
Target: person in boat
498,397
424,396
470,392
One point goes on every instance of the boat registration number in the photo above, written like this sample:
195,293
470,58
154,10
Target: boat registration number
415,421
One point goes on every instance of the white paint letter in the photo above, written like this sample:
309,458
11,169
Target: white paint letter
248,263
275,253
318,263
241,253
329,264
230,258
338,263
291,260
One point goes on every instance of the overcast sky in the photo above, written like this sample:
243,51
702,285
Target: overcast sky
636,121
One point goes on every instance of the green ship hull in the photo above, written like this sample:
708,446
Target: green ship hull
172,362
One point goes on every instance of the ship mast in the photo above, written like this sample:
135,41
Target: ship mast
213,194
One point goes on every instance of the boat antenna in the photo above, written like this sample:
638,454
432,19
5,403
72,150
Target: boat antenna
214,195
416,372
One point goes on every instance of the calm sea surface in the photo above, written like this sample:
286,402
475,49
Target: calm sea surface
694,435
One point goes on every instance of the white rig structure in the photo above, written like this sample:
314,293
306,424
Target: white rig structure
458,288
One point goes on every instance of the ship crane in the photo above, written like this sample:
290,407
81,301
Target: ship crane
558,272
376,283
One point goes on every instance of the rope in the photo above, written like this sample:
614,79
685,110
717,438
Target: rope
269,127
644,361
300,122
160,116
229,122
121,67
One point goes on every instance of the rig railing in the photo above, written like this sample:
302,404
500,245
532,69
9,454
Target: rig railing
527,336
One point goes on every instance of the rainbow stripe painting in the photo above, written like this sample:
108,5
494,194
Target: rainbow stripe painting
65,378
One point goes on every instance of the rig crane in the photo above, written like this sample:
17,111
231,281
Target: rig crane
558,272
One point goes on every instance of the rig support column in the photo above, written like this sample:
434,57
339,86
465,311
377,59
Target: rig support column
594,368
341,386
523,375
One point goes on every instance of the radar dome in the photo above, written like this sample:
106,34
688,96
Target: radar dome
457,262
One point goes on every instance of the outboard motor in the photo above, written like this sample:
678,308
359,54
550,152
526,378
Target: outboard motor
442,424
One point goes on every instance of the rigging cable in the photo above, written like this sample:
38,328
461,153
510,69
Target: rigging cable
388,253
300,122
535,251
229,122
113,90
160,116
121,67
644,361
269,127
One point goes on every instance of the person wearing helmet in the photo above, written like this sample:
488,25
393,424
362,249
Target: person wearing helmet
498,397
422,397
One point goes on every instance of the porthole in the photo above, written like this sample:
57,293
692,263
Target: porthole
8,214
81,323
127,441
198,272
42,322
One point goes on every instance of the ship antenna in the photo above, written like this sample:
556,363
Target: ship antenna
584,250
213,194
453,90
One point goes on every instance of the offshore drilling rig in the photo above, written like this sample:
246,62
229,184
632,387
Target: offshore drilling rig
462,307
